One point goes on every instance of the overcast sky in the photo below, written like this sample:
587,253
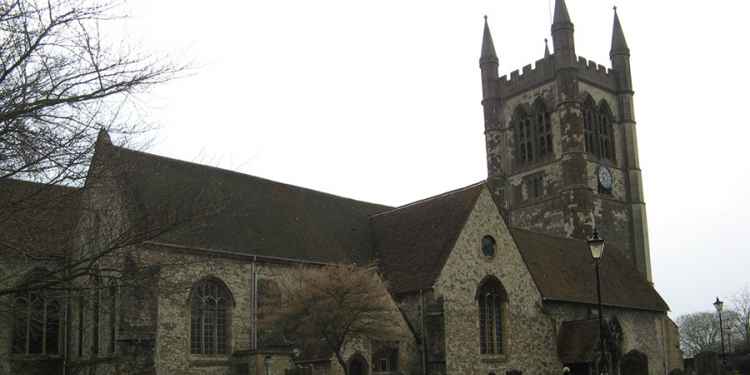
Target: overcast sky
380,101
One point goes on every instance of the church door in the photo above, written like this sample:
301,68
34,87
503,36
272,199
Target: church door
357,365
634,363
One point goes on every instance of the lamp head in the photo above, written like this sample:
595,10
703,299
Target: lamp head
719,305
596,245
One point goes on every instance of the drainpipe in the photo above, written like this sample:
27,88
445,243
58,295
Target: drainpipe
422,333
254,306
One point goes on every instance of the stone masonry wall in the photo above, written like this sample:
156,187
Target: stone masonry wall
530,342
179,271
644,331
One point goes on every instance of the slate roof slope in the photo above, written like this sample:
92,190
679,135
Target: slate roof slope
37,219
413,242
563,271
226,210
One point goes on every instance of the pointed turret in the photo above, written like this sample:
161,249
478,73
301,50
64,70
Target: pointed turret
103,138
562,36
619,45
488,63
490,93
546,49
488,47
561,13
620,55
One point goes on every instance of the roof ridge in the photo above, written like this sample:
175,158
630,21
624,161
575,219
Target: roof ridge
428,199
241,174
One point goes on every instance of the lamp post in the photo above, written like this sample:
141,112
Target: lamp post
596,245
267,362
719,305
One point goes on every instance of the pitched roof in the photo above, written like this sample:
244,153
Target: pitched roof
577,341
221,209
37,219
563,271
413,242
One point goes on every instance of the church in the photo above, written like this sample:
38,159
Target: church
168,263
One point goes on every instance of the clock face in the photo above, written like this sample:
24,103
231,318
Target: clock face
605,178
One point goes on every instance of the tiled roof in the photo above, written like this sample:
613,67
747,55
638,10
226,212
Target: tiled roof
231,211
37,219
564,271
413,242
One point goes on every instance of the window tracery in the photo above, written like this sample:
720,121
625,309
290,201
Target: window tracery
37,318
533,129
209,317
492,299
598,130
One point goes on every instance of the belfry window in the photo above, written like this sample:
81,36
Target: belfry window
209,317
492,299
543,125
606,139
598,130
533,129
525,137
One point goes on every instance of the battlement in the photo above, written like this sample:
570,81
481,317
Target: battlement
597,74
527,77
543,71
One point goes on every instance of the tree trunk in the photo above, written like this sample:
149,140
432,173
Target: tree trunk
341,362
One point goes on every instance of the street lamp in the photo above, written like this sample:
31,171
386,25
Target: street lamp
596,245
719,305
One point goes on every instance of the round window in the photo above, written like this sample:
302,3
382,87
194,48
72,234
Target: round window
488,246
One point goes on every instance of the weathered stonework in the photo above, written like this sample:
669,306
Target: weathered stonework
643,331
530,333
144,326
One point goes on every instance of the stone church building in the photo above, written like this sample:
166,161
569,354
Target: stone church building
172,261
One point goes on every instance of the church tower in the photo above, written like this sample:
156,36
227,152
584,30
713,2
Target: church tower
562,153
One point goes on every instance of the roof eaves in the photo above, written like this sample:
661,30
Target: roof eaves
570,300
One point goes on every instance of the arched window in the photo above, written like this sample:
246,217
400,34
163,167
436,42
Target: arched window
524,136
543,127
112,316
597,129
492,299
606,133
37,313
209,317
589,126
533,129
96,314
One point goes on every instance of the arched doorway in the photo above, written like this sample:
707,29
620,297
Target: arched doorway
634,363
357,365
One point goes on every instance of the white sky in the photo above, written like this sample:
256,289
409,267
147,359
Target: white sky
380,101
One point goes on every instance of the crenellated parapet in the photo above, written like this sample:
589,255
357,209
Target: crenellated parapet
527,78
596,74
543,71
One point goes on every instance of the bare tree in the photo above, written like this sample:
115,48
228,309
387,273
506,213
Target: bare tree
60,82
699,332
335,305
741,304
